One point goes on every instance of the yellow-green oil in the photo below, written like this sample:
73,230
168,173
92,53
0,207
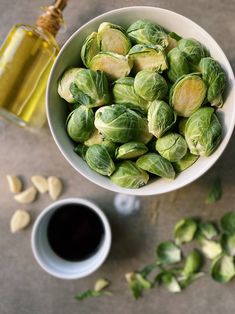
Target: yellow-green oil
26,58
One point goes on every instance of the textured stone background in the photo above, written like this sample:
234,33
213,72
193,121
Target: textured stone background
24,287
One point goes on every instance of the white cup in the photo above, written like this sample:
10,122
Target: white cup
50,261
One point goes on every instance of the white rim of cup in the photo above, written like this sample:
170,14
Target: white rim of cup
105,245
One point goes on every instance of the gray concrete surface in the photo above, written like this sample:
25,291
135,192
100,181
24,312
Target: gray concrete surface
24,287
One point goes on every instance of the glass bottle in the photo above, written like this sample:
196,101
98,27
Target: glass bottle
26,57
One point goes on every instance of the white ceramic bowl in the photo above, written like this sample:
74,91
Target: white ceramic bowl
69,56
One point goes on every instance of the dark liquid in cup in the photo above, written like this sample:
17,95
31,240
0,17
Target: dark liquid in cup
75,232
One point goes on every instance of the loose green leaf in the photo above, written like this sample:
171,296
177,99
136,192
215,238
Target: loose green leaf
193,264
208,230
186,281
228,223
223,269
185,230
137,283
168,253
101,284
215,192
228,244
169,281
91,293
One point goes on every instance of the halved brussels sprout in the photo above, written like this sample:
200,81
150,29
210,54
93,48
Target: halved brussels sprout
90,88
223,269
124,94
178,65
81,150
161,118
64,85
129,175
214,76
95,138
203,132
193,50
172,146
184,163
99,160
172,39
209,247
168,253
157,165
148,58
169,281
121,125
131,150
90,48
187,94
112,64
146,32
185,230
113,38
80,124
150,85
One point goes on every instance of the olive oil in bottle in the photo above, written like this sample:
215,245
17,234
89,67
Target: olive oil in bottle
26,58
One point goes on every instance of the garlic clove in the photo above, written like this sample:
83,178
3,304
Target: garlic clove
54,187
27,196
14,183
40,183
19,220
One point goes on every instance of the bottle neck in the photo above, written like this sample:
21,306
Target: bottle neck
52,19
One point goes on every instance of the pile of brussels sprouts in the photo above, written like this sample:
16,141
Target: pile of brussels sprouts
143,103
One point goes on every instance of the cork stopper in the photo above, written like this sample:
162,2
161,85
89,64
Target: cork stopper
52,18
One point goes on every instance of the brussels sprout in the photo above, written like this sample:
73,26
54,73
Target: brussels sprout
80,124
178,65
148,58
120,124
172,39
64,84
193,50
208,230
90,48
113,38
131,150
110,146
187,94
215,192
227,223
193,263
90,88
223,269
99,160
184,163
181,126
214,76
168,253
210,248
95,138
81,150
150,85
128,175
146,32
112,64
161,118
171,146
156,164
185,231
124,94
228,243
169,281
203,132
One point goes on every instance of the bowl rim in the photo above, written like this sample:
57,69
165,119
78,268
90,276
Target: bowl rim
118,189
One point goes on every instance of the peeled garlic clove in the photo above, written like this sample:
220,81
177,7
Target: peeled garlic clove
27,196
54,187
40,183
15,184
100,284
19,220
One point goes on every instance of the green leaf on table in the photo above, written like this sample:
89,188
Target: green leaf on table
168,253
169,281
90,293
187,281
208,230
227,223
223,269
228,243
137,283
185,230
193,263
215,192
